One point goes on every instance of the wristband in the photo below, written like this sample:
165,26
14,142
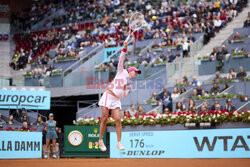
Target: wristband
124,50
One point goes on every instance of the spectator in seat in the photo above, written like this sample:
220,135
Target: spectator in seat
229,107
11,120
237,35
241,73
178,107
140,110
45,60
61,46
132,110
191,39
38,71
17,115
25,119
217,24
21,62
214,54
2,121
217,77
199,90
44,69
166,111
175,93
147,59
182,90
247,22
185,81
215,103
156,45
184,109
192,106
139,59
220,58
231,74
167,101
203,109
194,81
194,93
162,56
177,54
154,58
126,113
185,47
25,127
204,93
50,70
217,107
155,113
39,121
165,90
154,97
215,89
225,86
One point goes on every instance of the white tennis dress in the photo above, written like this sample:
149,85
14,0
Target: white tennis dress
117,86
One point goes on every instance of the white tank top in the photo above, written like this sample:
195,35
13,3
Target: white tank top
120,80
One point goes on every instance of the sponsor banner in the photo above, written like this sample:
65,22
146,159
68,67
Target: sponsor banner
109,51
13,99
83,141
20,145
212,143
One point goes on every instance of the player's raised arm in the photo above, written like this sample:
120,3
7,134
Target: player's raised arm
122,56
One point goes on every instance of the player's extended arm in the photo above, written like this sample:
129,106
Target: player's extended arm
122,56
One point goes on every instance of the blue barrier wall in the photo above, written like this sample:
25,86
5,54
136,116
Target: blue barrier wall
211,143
15,145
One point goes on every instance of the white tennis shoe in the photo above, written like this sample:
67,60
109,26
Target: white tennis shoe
45,156
119,146
54,156
102,146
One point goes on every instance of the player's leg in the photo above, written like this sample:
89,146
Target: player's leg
54,147
47,148
117,115
105,114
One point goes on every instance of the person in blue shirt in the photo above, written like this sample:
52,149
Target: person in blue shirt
50,127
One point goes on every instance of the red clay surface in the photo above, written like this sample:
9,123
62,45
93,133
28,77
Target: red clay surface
125,162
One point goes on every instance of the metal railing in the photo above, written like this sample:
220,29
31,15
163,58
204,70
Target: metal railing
246,105
176,70
86,110
82,60
196,46
184,95
230,90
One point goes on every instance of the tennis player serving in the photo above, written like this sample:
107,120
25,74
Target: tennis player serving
110,100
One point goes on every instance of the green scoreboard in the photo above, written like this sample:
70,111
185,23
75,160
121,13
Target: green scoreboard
82,141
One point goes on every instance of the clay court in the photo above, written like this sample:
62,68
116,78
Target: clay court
126,162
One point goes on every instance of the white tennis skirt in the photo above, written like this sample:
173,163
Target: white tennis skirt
109,101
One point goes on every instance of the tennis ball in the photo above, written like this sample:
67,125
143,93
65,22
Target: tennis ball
167,30
154,17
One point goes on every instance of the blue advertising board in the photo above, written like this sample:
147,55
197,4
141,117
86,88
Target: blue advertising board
13,99
211,143
109,51
15,145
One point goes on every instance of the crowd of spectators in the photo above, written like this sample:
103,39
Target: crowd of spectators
25,19
174,24
21,116
38,43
